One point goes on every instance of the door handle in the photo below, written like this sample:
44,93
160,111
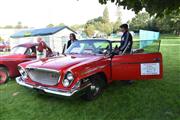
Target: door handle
156,59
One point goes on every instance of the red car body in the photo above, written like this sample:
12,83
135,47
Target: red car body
10,62
86,68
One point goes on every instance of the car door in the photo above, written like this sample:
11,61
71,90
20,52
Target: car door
142,66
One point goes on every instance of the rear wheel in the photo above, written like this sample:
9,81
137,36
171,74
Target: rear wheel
96,88
3,75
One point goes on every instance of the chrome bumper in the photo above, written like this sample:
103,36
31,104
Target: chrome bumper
51,90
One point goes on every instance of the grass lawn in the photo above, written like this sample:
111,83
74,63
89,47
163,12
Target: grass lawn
143,100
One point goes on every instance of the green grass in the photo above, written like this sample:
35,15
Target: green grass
143,100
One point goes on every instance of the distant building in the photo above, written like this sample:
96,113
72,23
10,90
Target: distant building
6,32
55,37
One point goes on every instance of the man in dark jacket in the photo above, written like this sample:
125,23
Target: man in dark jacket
72,38
126,39
126,43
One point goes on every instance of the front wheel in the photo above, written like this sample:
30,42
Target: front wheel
95,89
3,75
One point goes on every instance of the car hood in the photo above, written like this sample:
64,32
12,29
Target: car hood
63,62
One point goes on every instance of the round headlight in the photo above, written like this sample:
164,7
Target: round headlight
66,83
68,79
23,73
70,76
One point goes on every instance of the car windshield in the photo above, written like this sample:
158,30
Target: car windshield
18,50
89,47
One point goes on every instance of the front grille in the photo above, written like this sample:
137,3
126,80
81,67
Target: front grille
43,76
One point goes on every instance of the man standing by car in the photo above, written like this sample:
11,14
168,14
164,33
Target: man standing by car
126,39
126,44
72,38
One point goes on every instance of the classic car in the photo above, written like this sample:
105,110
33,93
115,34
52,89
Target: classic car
20,53
4,46
86,67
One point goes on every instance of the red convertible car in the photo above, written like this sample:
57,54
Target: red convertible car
86,67
21,53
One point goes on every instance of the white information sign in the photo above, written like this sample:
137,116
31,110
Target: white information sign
150,69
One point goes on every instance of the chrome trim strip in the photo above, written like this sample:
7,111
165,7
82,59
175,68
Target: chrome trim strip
20,81
45,69
19,66
15,59
133,62
49,90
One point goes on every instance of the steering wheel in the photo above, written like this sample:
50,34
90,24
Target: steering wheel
102,50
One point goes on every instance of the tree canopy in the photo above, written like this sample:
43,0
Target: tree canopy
159,7
102,24
166,24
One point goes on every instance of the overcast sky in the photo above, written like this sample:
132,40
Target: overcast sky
39,13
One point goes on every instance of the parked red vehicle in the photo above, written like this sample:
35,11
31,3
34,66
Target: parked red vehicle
21,53
86,67
4,47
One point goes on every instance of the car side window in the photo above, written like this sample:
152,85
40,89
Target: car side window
115,47
102,48
31,51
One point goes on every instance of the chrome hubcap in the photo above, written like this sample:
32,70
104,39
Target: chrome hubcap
94,89
3,76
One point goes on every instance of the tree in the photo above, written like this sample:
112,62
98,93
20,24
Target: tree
90,30
8,26
19,25
77,27
50,25
119,14
1,39
106,28
106,15
118,22
61,24
96,20
101,23
168,24
175,18
158,7
116,26
140,21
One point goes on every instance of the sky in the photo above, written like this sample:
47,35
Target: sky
40,13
